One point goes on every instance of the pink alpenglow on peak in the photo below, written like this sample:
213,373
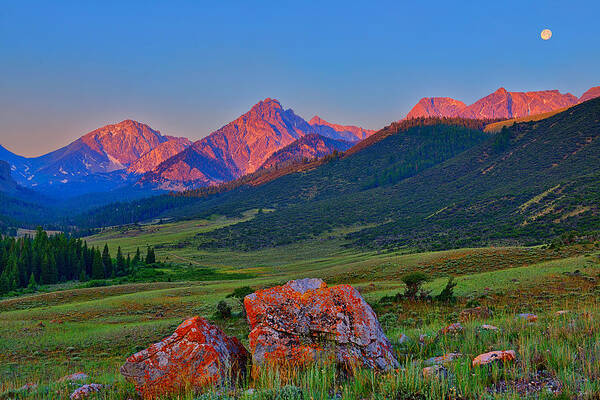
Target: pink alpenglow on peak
501,104
342,132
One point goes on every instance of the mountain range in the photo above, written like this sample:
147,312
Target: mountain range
501,104
119,155
129,157
99,161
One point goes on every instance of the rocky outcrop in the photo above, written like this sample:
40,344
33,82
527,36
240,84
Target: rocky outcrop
196,355
305,321
340,132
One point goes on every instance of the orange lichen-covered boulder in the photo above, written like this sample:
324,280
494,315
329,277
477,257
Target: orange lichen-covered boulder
305,321
196,355
492,356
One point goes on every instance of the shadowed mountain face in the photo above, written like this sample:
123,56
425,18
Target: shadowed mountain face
341,132
307,147
500,104
7,183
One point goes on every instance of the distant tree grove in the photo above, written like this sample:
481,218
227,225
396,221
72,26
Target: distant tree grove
27,262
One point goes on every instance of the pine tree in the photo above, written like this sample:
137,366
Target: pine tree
97,266
106,260
150,257
137,258
32,283
45,274
120,269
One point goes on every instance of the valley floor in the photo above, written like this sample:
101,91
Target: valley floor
46,336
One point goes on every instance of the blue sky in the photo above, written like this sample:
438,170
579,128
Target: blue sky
189,67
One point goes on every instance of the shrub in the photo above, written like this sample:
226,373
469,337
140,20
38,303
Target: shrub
388,320
239,294
413,282
447,294
223,310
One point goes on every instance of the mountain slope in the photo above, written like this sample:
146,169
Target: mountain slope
238,148
590,94
529,183
501,104
157,155
340,132
308,147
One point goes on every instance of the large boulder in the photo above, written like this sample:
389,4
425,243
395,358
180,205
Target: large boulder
305,321
198,354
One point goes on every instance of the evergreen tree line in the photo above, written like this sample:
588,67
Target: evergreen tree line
27,262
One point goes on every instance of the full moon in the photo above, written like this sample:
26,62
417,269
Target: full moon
546,34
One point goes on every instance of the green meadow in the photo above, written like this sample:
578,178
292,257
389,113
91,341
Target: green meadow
69,328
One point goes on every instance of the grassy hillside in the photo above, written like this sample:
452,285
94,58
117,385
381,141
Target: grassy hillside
496,127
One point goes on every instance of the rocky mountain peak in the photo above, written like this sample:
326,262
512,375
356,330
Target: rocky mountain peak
592,93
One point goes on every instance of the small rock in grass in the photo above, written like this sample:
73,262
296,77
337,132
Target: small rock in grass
446,358
28,386
528,317
77,376
487,327
452,329
435,371
86,390
492,356
402,339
